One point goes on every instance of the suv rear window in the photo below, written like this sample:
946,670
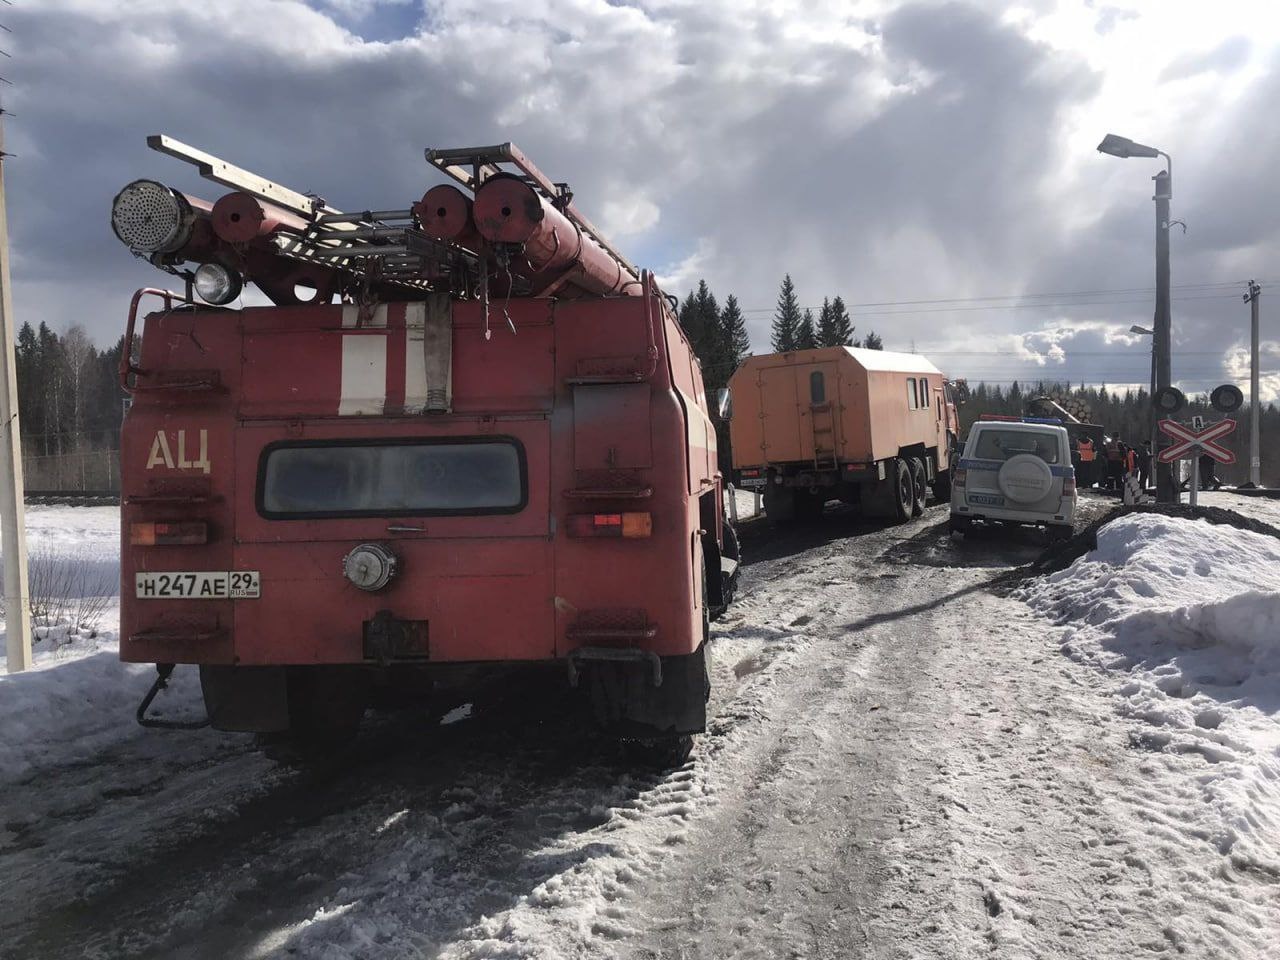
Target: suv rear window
344,478
996,444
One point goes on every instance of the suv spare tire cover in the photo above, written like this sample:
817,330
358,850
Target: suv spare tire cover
1025,478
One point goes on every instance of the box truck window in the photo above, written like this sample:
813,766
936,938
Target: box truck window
913,398
817,388
924,394
352,479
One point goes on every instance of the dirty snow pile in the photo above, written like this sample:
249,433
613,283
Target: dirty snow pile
1186,616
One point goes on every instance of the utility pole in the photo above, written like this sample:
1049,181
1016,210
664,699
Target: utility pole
13,531
1162,341
1255,415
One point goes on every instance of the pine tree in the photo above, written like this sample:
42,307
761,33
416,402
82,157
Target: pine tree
708,343
842,325
826,330
806,336
734,327
872,341
786,319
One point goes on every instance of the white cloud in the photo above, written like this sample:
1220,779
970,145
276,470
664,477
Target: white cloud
883,151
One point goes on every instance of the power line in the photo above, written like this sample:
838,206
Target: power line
1025,299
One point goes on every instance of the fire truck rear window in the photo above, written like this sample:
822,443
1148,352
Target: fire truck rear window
388,479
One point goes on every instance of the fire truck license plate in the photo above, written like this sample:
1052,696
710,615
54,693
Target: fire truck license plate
197,585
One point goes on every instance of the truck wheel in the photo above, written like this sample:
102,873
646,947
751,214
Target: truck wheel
919,480
903,491
658,753
780,503
942,487
809,506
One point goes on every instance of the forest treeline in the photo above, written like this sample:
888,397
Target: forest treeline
70,400
69,397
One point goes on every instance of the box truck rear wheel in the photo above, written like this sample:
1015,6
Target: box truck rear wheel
920,483
779,502
903,490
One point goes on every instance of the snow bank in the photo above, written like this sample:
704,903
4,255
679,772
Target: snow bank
79,699
1188,615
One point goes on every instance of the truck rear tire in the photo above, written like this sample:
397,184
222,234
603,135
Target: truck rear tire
920,481
942,487
779,502
903,490
809,506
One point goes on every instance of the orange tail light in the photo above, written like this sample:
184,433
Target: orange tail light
630,526
184,533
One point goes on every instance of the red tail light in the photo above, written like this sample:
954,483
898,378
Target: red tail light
958,480
184,533
628,525
1069,487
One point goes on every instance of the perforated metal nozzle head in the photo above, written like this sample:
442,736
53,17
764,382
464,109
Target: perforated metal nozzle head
149,217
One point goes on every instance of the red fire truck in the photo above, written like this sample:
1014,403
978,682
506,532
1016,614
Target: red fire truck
464,432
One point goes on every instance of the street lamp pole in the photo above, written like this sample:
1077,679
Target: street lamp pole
1154,418
1162,345
1255,414
1162,341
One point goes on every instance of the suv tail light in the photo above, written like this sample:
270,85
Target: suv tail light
628,525
184,533
958,479
1069,487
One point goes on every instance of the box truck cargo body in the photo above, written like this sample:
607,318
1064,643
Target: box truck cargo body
870,427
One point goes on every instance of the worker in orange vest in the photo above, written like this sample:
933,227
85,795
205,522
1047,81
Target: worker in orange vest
1115,464
1130,460
1086,454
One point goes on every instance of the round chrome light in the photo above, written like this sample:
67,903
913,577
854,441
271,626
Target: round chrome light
216,284
151,218
369,566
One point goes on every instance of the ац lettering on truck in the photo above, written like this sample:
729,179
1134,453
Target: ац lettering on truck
465,432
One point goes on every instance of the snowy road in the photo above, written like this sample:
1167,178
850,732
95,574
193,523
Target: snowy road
902,763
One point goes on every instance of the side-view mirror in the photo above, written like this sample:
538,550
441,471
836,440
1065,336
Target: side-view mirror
724,404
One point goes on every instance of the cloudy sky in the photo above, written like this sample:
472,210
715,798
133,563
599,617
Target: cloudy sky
933,163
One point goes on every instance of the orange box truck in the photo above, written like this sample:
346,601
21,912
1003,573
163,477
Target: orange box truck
868,427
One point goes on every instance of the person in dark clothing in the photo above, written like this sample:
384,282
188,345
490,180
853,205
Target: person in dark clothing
1144,463
1115,464
1208,480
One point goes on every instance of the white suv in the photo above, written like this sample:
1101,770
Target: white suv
1015,471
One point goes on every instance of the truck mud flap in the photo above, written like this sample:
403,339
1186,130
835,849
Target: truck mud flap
628,703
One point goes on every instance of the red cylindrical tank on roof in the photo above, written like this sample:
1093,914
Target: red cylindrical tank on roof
508,210
445,214
239,218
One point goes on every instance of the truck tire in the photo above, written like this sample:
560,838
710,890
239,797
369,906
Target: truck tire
902,490
942,487
779,502
809,506
920,481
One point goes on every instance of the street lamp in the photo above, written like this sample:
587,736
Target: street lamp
1162,333
1148,332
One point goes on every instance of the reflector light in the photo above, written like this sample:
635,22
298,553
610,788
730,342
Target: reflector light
630,526
184,533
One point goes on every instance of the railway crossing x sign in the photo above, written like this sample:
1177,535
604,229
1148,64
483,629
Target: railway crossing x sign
1189,442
